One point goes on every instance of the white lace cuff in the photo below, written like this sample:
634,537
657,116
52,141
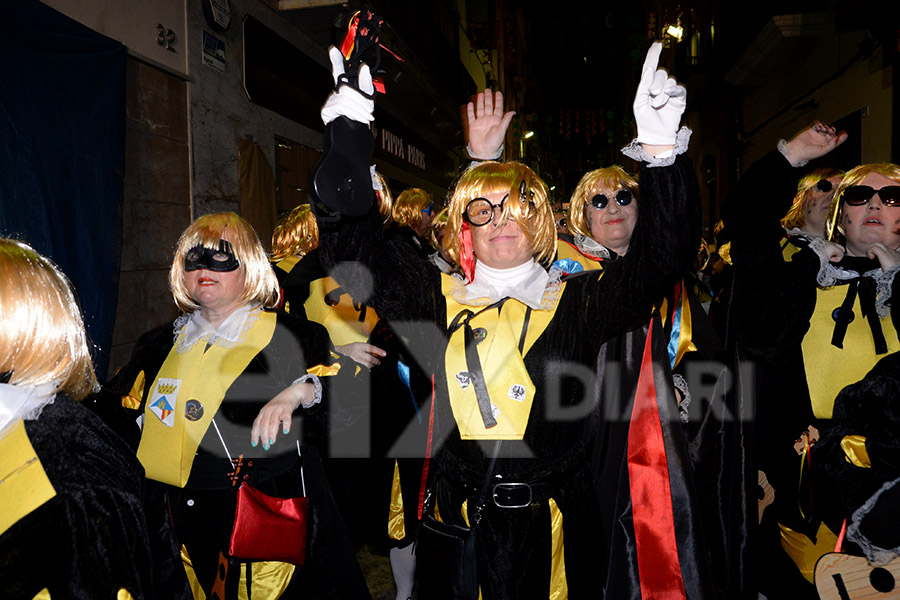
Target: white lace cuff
471,156
376,182
876,555
781,144
681,385
636,151
317,385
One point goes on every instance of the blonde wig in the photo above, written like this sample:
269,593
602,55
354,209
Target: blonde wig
383,196
834,230
506,178
438,227
614,178
42,338
409,206
806,187
260,283
297,233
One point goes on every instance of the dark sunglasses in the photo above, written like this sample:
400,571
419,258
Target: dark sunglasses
857,195
623,198
823,185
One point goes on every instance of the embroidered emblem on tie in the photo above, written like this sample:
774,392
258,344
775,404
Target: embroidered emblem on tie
163,401
463,378
516,392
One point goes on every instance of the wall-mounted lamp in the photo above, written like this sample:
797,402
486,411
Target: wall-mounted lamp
528,134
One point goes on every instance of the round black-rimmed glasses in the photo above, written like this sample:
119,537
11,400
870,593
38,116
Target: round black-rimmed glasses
480,211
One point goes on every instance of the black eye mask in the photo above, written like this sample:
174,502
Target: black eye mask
221,260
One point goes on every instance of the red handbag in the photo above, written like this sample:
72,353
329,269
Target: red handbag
268,528
265,527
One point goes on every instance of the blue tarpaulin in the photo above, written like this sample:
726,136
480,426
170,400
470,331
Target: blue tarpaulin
62,145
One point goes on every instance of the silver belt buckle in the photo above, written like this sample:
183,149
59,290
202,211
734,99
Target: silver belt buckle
512,486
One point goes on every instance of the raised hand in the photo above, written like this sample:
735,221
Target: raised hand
812,142
347,101
659,103
487,125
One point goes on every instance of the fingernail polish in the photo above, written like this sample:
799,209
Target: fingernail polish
271,441
285,431
266,447
253,443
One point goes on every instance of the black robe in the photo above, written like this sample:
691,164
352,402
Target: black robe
514,544
90,540
774,307
200,516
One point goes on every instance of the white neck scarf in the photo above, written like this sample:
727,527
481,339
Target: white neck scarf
24,401
526,283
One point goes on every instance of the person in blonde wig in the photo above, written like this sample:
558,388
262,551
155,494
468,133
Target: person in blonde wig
603,211
524,201
814,325
63,472
860,241
383,196
296,234
212,233
414,208
42,339
812,204
218,398
498,336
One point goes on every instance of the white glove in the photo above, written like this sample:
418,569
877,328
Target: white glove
658,103
346,101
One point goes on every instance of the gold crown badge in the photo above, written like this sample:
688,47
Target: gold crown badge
165,388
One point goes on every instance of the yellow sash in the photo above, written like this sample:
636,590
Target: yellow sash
288,263
680,337
788,250
24,486
565,250
828,368
196,379
341,320
508,382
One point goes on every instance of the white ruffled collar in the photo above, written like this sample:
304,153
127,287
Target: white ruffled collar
529,283
591,247
190,329
24,402
831,274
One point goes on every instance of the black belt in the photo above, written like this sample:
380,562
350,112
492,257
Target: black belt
522,495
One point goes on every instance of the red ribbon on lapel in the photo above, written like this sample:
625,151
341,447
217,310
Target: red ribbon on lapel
651,498
466,255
